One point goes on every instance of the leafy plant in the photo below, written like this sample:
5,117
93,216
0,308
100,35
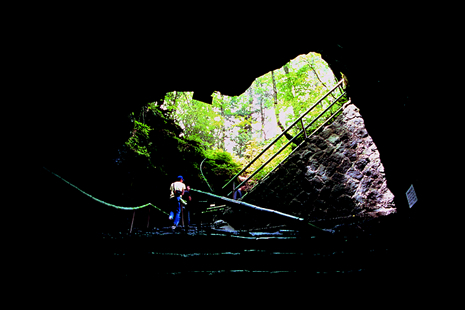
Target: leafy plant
220,167
139,140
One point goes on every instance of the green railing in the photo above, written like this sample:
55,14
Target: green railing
315,131
304,131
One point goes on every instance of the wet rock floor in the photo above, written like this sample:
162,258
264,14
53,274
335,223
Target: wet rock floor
222,251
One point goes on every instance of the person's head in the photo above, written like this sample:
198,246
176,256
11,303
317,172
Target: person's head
188,187
180,178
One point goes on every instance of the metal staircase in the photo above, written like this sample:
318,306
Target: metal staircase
307,131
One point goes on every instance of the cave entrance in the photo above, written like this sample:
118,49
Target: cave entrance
245,125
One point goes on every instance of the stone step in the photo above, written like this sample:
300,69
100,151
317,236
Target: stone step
154,253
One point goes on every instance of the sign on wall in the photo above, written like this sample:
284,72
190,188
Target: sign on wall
411,196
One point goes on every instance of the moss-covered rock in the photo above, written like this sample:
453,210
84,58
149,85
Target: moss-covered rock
156,152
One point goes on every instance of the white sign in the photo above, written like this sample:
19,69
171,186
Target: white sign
411,196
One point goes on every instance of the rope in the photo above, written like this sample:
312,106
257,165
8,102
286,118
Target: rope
106,203
204,176
248,205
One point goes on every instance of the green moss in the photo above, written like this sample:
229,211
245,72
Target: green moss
159,152
219,168
139,140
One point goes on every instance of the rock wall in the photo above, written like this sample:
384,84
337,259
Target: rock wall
335,178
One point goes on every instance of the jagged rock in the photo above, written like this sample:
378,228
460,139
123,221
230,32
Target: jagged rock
361,163
336,174
330,168
349,153
362,132
317,183
338,177
310,173
317,157
336,158
313,148
329,150
351,112
334,139
355,174
344,166
381,168
306,155
360,199
321,143
326,132
351,186
354,124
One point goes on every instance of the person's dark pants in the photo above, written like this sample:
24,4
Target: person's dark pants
237,194
177,211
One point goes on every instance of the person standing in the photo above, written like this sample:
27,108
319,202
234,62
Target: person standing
238,193
176,191
188,198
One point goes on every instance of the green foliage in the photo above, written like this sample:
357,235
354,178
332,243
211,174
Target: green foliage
219,167
198,120
222,162
157,153
186,131
243,136
139,140
254,147
300,83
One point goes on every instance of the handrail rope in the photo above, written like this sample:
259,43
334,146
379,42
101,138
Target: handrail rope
286,130
258,208
293,151
103,202
247,204
287,144
204,175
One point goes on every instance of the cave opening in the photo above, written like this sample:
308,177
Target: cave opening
387,127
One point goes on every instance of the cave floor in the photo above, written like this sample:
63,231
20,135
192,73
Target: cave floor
200,250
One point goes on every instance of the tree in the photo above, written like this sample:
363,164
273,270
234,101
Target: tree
276,107
198,120
223,105
243,116
262,92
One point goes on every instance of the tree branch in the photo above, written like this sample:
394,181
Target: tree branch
311,67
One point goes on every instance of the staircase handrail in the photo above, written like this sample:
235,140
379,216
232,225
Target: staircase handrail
316,130
287,144
285,131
